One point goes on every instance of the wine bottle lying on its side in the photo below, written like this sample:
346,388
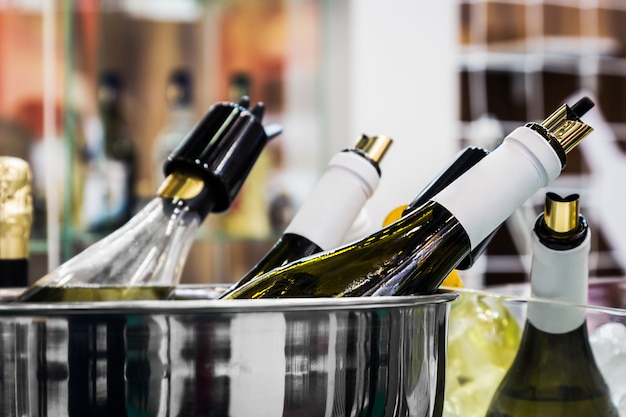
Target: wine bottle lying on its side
331,208
414,254
144,258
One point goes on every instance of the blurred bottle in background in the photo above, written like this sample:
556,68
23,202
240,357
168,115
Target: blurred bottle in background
110,161
180,119
23,137
144,258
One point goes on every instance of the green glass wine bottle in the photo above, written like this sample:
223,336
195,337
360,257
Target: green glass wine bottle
554,372
415,253
144,258
330,209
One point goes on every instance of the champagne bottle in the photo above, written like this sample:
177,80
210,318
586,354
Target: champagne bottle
109,189
16,218
415,254
554,372
144,258
333,205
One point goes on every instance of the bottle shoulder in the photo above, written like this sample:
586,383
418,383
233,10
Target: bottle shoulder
556,361
553,374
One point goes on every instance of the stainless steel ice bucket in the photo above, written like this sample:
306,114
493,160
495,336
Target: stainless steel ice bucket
300,357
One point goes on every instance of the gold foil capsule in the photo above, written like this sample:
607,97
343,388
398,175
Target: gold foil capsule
16,207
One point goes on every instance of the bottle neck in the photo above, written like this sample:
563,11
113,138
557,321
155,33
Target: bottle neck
560,277
500,183
337,198
551,240
13,247
13,272
186,191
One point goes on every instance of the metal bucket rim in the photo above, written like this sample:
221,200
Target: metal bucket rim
126,307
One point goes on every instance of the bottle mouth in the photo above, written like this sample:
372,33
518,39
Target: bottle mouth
181,186
222,149
373,147
561,226
561,214
567,128
563,129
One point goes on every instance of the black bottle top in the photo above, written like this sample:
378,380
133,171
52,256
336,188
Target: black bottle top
222,149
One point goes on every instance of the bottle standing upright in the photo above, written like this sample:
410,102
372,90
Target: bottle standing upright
144,258
554,372
109,189
330,209
180,118
16,219
414,254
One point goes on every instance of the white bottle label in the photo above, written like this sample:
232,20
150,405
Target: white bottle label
336,200
559,282
502,181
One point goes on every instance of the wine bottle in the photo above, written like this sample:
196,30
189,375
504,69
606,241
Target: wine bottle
109,189
180,120
466,159
415,253
16,219
330,209
144,258
554,372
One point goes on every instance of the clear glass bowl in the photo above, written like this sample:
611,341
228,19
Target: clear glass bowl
485,329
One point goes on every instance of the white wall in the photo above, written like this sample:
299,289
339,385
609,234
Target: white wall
403,83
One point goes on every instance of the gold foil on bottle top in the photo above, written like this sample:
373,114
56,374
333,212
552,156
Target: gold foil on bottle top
375,147
16,207
180,186
561,214
568,132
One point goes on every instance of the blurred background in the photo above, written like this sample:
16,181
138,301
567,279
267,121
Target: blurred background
436,76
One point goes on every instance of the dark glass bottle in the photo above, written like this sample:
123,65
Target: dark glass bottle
110,167
180,118
554,372
333,205
414,254
466,159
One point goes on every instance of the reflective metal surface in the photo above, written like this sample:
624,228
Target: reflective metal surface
380,356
